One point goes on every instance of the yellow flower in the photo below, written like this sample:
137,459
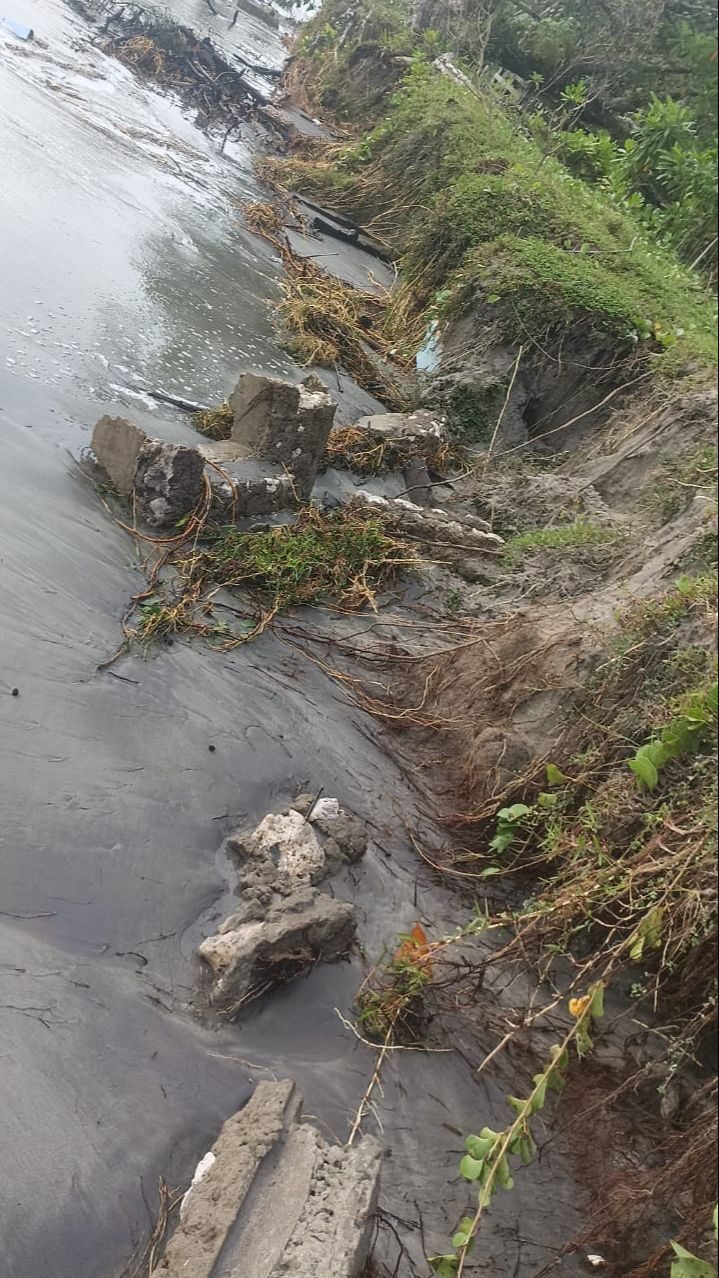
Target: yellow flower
578,1006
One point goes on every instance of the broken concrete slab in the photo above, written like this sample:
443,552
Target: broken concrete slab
459,533
117,444
284,423
421,428
165,475
283,925
275,1200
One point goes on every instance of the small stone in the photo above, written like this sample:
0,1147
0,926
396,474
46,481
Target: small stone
15,692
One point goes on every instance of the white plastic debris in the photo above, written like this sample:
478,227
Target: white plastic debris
324,810
206,1162
596,1261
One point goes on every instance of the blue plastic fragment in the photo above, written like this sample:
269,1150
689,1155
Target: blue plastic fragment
17,28
428,357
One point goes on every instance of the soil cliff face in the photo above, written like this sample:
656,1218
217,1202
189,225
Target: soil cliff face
572,359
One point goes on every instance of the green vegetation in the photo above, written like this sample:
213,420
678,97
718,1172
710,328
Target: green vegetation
340,558
483,217
564,537
514,208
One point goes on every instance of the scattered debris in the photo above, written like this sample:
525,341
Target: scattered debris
276,1199
284,925
160,49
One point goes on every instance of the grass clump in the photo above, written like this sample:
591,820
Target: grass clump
216,423
339,559
481,214
566,537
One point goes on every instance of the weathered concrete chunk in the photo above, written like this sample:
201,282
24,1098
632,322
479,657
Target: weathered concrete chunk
299,930
117,444
169,482
282,924
461,534
420,427
284,423
275,1200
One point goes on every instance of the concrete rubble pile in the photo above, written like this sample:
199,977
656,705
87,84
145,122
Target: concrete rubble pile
283,924
272,1199
269,464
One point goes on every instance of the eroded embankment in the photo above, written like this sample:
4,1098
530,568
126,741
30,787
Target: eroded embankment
481,725
580,711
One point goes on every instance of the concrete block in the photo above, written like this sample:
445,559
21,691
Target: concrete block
284,423
169,482
275,1200
117,444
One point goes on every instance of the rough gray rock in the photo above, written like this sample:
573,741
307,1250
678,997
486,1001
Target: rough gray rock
284,423
169,482
419,485
276,1200
117,444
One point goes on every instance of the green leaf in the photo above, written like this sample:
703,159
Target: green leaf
688,1266
713,698
527,1149
504,1176
637,949
501,842
555,776
459,1239
514,813
597,1005
490,871
518,1105
715,1222
471,1168
444,1266
478,1146
540,1094
547,800
583,1039
645,770
493,297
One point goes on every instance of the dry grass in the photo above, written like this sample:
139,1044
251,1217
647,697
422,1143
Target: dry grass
352,447
216,423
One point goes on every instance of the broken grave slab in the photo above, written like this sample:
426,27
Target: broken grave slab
165,477
272,1199
284,423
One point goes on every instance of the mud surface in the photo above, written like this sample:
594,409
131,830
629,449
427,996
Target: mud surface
124,265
